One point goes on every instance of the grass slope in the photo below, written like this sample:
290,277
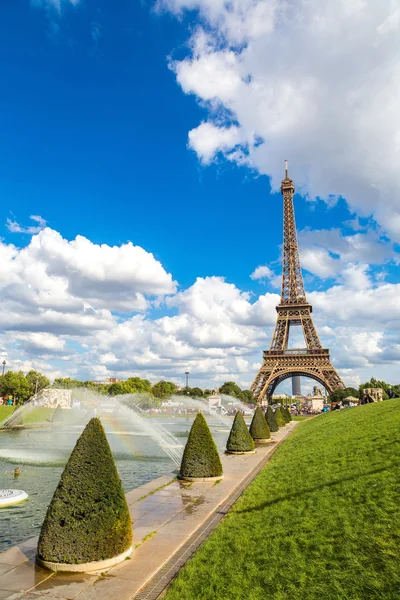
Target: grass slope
321,521
5,412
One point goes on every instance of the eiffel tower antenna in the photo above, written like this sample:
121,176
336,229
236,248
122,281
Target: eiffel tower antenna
280,362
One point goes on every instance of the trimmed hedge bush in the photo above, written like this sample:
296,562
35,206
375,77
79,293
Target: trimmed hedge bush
239,439
288,414
279,417
270,417
259,427
200,457
285,414
88,518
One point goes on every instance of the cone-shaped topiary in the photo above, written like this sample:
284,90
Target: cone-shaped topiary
270,417
285,414
288,417
200,457
259,429
279,417
239,439
88,518
58,415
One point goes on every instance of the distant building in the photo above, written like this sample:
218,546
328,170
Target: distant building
296,385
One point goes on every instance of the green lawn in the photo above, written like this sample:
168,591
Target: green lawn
321,521
300,417
29,416
6,411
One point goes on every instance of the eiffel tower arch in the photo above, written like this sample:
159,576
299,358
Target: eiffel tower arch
281,362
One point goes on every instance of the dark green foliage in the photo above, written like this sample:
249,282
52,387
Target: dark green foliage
270,417
88,518
200,457
285,414
279,418
341,394
58,415
259,427
289,414
239,439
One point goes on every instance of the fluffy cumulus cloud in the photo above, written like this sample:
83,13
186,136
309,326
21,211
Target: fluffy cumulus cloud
314,82
85,310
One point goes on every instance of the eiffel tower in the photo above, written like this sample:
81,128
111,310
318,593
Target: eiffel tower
281,362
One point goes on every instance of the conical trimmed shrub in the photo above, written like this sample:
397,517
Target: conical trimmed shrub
259,429
239,439
88,518
279,417
288,414
285,414
270,417
200,457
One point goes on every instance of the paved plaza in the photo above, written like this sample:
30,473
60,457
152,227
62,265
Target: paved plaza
170,517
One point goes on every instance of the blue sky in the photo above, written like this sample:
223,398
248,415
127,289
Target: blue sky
161,124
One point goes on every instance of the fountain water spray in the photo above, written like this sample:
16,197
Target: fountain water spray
122,409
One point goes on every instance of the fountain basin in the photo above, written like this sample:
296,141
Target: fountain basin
187,478
97,565
239,453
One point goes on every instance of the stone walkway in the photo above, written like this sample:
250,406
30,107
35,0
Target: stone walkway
169,516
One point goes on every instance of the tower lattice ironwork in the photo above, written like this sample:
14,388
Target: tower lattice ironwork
281,362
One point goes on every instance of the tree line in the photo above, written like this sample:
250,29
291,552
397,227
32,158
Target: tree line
22,387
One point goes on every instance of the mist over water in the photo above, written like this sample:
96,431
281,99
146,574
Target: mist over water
144,447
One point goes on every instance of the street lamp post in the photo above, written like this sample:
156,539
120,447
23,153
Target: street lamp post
187,379
4,366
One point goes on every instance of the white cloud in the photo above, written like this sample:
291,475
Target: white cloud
15,227
56,307
318,82
207,140
262,272
70,287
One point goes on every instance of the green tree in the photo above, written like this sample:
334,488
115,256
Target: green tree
200,457
118,388
259,429
139,385
14,383
270,417
163,389
246,396
66,383
230,388
341,394
239,439
196,392
88,518
34,377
